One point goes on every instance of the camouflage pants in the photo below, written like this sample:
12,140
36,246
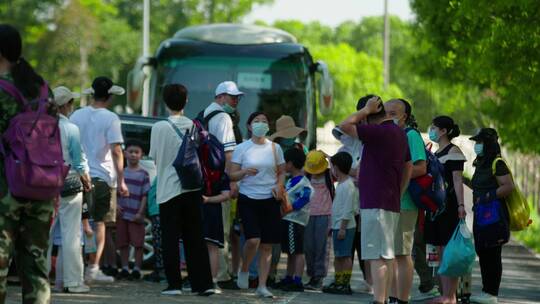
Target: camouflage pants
24,232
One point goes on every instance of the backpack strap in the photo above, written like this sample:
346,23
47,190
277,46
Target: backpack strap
176,129
329,184
12,90
44,91
210,116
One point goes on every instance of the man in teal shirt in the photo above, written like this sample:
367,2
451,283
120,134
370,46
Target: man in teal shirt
400,111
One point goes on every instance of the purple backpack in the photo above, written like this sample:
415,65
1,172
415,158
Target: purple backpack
33,160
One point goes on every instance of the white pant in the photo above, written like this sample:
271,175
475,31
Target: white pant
70,263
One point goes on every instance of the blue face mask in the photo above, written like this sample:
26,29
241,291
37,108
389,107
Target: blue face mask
228,109
479,149
260,129
433,136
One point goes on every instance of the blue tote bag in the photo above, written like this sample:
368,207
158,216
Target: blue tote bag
459,254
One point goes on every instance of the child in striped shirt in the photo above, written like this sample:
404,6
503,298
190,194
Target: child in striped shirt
131,212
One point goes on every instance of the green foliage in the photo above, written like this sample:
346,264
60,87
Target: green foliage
313,33
492,45
430,96
71,42
169,16
530,235
355,74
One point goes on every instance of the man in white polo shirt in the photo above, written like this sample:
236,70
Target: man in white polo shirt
220,125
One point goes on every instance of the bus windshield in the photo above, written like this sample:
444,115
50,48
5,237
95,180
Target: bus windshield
274,86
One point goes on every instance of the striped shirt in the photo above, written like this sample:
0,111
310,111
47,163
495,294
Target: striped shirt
138,183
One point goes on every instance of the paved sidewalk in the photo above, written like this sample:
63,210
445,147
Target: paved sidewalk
521,284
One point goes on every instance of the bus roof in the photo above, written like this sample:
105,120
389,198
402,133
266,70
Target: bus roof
237,34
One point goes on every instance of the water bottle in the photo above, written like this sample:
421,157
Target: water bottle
90,243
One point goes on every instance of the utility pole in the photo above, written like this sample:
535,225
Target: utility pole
146,54
146,28
386,47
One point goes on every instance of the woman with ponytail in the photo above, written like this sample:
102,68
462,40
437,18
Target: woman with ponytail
19,214
439,230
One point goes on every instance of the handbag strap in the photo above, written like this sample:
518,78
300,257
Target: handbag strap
494,167
278,170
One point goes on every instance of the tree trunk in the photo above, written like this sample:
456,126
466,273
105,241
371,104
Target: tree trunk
83,71
211,11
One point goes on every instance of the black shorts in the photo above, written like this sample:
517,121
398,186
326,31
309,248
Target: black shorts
260,219
100,203
292,237
213,224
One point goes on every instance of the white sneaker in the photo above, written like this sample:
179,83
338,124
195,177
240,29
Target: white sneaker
171,292
217,290
243,280
96,275
484,298
77,289
207,292
433,293
263,292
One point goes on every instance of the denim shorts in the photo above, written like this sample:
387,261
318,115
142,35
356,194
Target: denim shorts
343,248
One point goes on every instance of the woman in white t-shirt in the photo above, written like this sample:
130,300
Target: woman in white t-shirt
255,163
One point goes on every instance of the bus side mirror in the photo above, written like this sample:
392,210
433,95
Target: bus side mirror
326,89
135,81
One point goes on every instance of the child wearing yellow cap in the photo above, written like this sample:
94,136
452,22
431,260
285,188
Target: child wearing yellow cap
315,246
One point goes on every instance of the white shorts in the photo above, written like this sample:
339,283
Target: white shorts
378,233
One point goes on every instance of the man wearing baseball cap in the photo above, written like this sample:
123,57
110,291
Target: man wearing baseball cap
101,138
71,200
219,123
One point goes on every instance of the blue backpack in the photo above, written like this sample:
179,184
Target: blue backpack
187,163
428,192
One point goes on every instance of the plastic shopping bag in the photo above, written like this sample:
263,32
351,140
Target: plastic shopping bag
459,254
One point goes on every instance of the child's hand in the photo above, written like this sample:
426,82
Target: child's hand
234,190
138,218
250,172
341,234
275,192
88,230
205,199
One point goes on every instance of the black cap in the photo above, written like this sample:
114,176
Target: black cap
101,86
486,134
